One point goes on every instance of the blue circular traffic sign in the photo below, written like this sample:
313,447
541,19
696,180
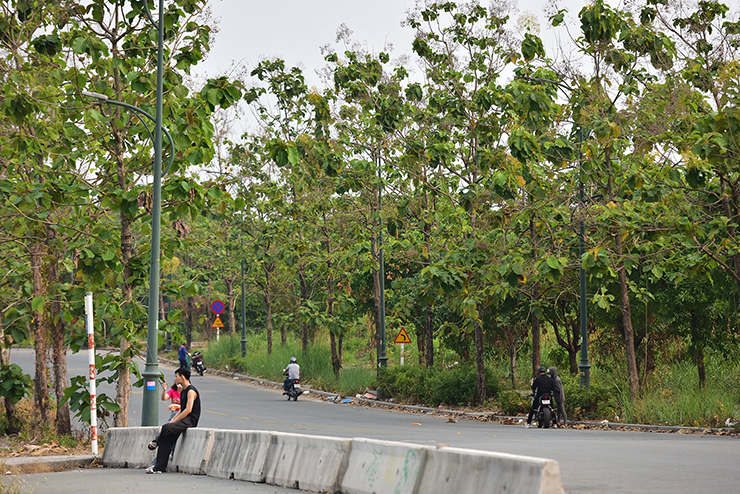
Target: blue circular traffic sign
217,307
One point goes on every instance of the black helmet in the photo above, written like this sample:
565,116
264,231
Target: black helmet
293,360
541,369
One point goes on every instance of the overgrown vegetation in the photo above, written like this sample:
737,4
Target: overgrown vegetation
671,397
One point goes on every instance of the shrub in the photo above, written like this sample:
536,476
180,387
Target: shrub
596,402
513,403
455,386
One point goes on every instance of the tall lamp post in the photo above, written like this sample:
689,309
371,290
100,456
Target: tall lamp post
382,357
584,366
150,412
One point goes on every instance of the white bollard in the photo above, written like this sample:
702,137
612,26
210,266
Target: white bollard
91,362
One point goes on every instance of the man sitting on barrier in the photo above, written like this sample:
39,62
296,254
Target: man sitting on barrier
187,417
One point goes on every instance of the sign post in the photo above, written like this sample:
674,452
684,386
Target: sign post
217,307
403,337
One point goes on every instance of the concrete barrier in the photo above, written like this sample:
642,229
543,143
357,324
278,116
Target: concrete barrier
125,447
333,465
312,463
239,455
462,470
377,467
192,451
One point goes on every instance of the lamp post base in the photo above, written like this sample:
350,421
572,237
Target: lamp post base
585,373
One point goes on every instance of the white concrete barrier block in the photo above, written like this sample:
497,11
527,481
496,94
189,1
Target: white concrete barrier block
239,455
462,470
308,463
126,447
380,467
192,451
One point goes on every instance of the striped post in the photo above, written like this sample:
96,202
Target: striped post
91,361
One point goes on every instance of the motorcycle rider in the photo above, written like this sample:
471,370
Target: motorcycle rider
293,371
541,385
559,394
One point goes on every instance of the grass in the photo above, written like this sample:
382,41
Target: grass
673,396
315,364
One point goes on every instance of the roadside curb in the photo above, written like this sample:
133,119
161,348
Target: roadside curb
480,415
51,462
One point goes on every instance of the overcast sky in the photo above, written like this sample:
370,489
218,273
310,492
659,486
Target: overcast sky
294,30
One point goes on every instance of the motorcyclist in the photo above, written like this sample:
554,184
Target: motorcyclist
293,371
541,385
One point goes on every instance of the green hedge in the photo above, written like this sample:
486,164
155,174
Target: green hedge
597,402
455,387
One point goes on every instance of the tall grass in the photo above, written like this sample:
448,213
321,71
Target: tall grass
316,369
673,396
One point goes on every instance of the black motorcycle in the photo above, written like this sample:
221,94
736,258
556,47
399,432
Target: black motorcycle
197,363
294,389
544,413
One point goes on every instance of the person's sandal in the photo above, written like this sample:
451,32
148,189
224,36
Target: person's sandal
152,445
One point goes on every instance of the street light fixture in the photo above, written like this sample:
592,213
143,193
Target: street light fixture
583,366
150,412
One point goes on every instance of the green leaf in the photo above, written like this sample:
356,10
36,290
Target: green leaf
37,304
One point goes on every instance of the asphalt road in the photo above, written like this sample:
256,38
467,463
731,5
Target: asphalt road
99,480
591,461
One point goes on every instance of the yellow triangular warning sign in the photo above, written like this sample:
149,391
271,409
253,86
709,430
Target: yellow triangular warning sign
217,323
403,337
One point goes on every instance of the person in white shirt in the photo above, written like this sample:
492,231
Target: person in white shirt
293,371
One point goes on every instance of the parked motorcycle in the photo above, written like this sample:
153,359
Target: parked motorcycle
544,413
294,389
197,363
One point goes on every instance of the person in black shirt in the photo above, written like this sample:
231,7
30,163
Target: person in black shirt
187,417
541,385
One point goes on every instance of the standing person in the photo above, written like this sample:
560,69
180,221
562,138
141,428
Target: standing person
293,371
541,385
187,417
559,394
173,394
182,356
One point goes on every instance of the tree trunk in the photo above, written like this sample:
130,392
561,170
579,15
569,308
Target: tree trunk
336,365
420,345
189,308
535,343
629,334
123,386
535,297
700,368
268,307
512,363
480,369
59,349
429,336
232,304
41,390
304,298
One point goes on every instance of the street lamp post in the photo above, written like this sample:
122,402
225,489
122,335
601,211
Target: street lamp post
584,366
382,358
150,412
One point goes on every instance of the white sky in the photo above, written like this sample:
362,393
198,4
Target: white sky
294,30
